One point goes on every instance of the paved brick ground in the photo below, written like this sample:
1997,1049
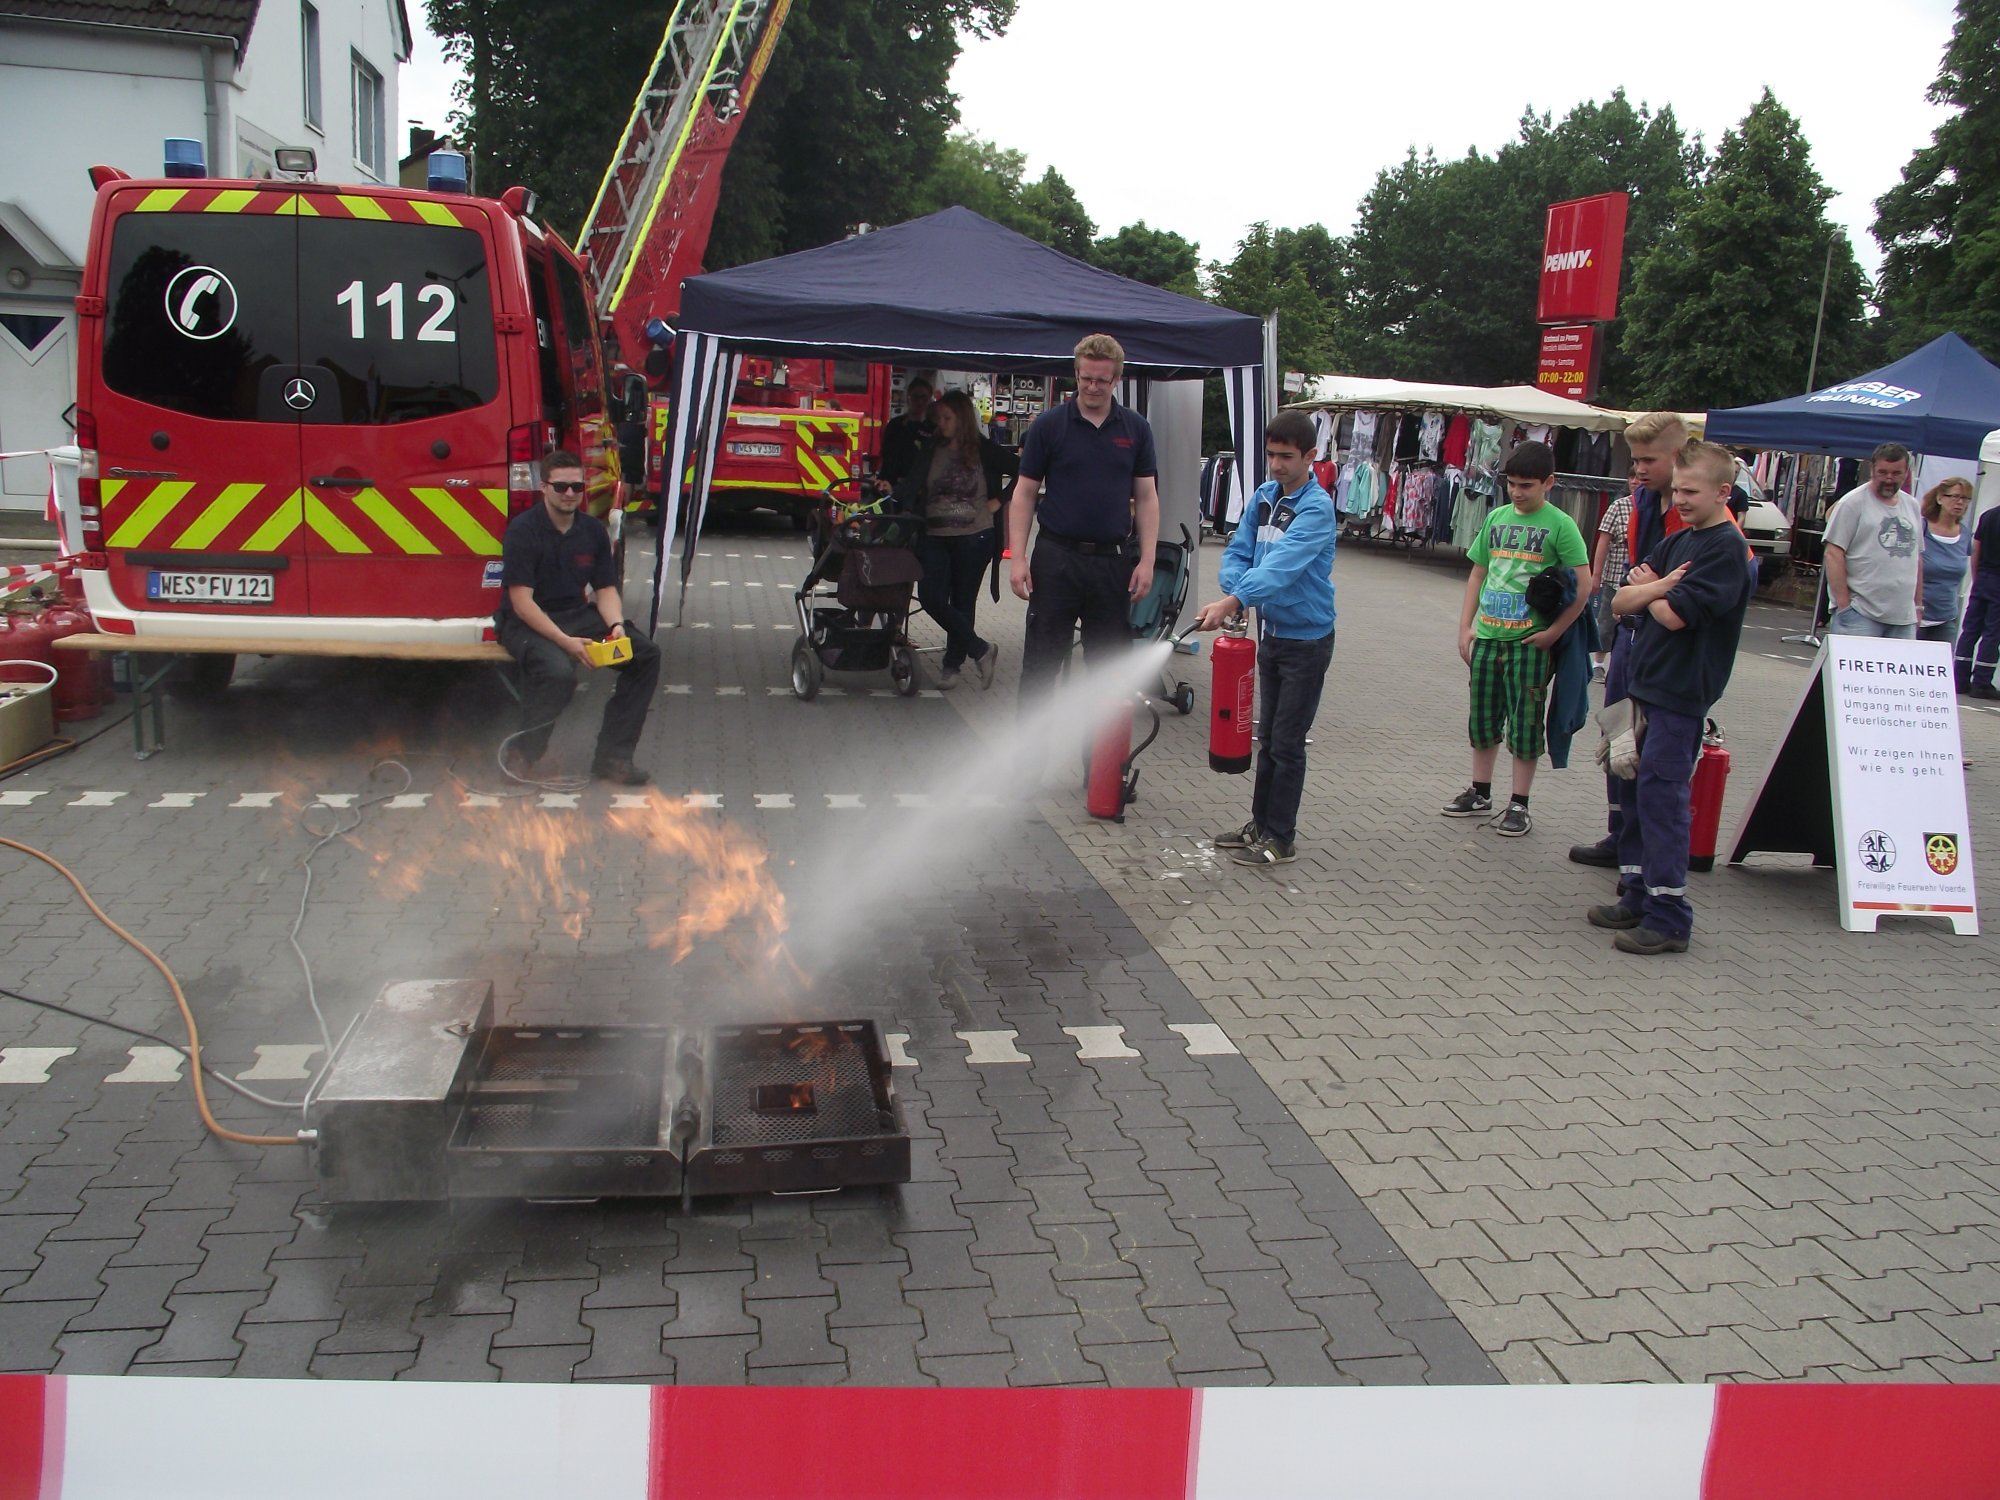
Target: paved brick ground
1100,1197
1776,1156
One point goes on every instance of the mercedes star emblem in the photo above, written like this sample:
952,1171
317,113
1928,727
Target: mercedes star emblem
299,394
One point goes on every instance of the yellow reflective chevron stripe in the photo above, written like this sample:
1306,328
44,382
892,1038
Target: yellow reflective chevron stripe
275,532
151,511
225,508
444,505
108,491
230,201
362,208
834,467
394,525
298,205
814,474
436,213
329,528
160,200
498,498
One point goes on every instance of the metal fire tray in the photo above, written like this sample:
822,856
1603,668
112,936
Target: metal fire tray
553,1112
798,1108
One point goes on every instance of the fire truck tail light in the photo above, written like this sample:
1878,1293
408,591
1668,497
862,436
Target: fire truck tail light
523,483
89,493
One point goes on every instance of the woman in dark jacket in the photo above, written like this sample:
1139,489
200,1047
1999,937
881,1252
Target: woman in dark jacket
955,483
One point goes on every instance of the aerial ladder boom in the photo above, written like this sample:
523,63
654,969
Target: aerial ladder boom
648,227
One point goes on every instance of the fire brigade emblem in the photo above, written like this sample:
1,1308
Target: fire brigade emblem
1877,851
201,303
1941,852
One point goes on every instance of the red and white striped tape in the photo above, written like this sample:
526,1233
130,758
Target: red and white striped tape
108,1438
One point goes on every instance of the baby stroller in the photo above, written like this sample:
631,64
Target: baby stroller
854,606
1157,616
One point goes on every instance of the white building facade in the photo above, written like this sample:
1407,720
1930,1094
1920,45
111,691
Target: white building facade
82,83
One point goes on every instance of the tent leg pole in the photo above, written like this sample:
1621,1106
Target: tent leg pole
1811,636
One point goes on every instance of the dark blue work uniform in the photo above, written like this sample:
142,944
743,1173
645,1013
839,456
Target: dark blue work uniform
1081,568
1677,675
558,565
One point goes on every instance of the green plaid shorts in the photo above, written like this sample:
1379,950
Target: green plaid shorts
1510,691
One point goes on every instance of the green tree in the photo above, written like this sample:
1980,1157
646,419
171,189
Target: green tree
1058,215
1158,257
1724,302
1294,273
975,174
1940,226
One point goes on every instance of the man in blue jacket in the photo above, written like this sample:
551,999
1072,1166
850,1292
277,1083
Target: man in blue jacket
1280,563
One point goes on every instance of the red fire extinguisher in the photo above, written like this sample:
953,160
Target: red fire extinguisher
1711,775
1113,783
1232,699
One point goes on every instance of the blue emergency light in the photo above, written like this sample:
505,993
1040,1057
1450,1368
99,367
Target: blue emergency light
658,332
184,158
446,173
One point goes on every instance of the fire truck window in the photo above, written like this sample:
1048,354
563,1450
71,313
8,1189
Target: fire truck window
402,314
580,338
555,404
197,307
850,376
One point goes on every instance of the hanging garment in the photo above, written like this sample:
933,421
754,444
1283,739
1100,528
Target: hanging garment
1408,435
1430,435
1363,441
1457,437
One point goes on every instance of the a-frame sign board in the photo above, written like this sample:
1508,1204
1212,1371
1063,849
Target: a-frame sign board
1869,779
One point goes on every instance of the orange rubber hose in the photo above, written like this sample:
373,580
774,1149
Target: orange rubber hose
215,1127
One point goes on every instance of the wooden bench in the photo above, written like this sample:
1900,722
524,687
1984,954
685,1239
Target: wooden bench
146,688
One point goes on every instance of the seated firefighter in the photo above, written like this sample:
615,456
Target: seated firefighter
551,554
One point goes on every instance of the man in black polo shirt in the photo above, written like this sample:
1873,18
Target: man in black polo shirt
549,554
1087,470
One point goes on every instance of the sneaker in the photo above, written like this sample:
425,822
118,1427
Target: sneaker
1467,804
1238,838
987,665
1616,916
1645,941
1597,672
1514,822
1603,854
1265,851
947,679
619,773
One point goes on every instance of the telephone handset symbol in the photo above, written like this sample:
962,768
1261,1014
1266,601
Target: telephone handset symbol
206,286
201,303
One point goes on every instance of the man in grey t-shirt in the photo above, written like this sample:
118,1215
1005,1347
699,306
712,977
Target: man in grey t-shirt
1874,552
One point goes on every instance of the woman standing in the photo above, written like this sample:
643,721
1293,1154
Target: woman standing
955,483
1947,555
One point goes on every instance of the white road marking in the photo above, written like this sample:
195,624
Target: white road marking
280,1060
335,799
702,625
96,799
913,799
729,692
256,799
842,802
1093,1042
20,799
678,689
29,1064
742,627
751,583
409,799
984,1047
703,799
898,1058
631,799
773,799
149,1065
718,583
479,799
1205,1039
561,799
176,799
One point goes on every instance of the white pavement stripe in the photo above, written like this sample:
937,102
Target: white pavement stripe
898,1056
96,799
149,1065
561,799
742,627
335,799
983,1047
1093,1042
280,1060
20,799
29,1064
479,799
409,799
631,799
256,799
176,799
703,799
678,689
773,799
842,801
729,692
1204,1039
913,799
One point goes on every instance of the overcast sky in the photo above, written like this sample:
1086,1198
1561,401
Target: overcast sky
1205,118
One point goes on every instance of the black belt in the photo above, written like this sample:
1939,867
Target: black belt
1086,547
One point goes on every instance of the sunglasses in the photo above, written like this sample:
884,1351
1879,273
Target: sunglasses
566,486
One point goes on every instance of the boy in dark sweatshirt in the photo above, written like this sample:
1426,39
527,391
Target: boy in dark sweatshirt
1689,595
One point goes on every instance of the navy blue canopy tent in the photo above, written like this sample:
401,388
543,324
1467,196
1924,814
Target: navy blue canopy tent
952,290
1941,400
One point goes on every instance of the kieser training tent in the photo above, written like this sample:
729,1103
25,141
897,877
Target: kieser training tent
1941,400
952,290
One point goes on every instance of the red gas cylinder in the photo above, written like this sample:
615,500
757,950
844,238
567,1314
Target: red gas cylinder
72,592
1104,792
76,695
1711,776
24,636
1232,699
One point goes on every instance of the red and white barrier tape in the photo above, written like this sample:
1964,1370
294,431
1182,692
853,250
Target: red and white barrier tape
100,1438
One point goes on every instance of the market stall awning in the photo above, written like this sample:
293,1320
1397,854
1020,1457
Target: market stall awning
1941,400
1506,403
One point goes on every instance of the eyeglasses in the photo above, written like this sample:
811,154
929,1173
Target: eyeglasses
565,486
1093,380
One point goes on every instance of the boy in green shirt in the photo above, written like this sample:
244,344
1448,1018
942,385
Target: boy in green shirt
1503,642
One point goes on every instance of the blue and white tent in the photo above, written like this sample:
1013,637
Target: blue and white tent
1942,401
952,290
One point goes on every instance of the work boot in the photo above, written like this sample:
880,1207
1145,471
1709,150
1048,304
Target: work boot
619,773
1603,853
1646,942
1616,916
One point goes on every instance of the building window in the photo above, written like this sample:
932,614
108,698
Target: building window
309,61
369,119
